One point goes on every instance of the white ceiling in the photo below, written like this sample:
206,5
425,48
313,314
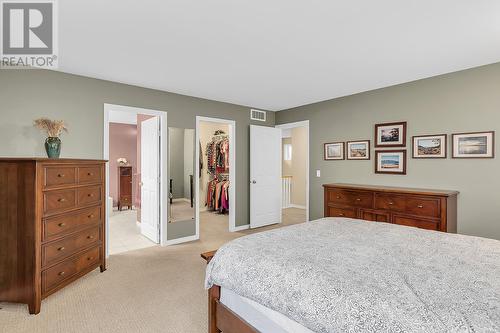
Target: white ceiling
275,54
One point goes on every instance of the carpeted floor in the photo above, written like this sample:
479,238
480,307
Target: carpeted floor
158,289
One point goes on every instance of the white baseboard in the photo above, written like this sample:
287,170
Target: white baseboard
296,206
181,199
240,228
180,240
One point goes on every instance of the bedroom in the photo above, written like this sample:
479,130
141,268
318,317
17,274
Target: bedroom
363,73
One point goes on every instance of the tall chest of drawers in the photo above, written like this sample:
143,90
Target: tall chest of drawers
421,208
51,226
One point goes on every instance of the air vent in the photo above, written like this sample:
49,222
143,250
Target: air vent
257,115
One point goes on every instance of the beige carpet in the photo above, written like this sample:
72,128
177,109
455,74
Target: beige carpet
150,290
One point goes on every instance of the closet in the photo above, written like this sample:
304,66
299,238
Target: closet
215,168
217,157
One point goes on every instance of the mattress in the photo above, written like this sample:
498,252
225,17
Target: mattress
262,318
341,275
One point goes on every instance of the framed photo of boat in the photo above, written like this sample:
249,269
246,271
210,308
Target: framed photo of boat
390,162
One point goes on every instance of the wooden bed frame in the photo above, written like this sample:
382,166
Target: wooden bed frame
221,318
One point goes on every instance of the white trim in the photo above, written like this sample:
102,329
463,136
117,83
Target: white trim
240,228
232,170
163,164
304,123
296,206
180,240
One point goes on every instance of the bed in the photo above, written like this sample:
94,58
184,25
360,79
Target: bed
339,274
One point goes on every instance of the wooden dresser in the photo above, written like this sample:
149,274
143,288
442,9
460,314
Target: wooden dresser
427,209
124,187
51,225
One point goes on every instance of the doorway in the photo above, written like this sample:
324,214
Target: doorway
295,172
136,213
215,184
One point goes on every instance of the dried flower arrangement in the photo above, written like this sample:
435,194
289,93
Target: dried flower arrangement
54,128
122,161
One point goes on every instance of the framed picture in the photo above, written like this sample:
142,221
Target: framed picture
473,145
358,150
390,161
390,135
334,151
429,146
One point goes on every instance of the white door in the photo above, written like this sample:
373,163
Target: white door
265,176
150,176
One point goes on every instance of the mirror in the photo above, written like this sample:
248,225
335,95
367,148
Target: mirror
181,169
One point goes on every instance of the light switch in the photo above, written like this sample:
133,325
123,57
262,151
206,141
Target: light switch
318,173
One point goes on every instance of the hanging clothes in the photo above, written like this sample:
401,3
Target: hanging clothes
218,196
217,152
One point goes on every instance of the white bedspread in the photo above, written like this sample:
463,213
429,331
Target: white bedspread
344,275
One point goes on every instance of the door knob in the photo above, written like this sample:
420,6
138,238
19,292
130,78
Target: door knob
254,182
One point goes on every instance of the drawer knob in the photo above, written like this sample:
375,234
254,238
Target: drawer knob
341,214
61,248
358,199
90,258
391,203
62,224
61,175
420,206
90,237
62,273
338,196
91,216
61,200
90,195
90,174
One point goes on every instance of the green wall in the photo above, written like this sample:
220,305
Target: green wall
465,101
29,94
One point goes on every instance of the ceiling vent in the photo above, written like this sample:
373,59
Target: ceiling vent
257,115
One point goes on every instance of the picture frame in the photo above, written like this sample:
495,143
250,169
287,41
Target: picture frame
473,145
390,162
390,134
334,151
358,150
430,146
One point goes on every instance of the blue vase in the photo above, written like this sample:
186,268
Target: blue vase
53,147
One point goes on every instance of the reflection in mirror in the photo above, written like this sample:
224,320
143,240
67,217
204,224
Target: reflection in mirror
181,169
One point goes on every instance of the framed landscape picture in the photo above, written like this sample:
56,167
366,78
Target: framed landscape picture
334,151
429,146
390,161
390,135
473,145
358,150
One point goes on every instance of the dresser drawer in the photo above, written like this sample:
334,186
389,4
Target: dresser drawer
59,176
89,174
56,201
390,202
415,222
66,247
423,207
63,225
342,212
55,276
350,198
125,200
89,195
